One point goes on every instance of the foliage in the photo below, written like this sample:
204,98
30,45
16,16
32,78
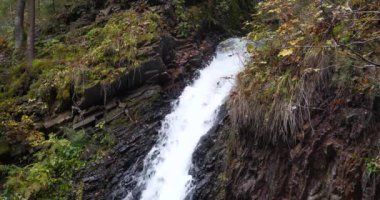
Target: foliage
55,163
185,25
65,66
226,14
50,176
46,13
50,172
373,166
303,48
17,127
120,38
7,14
230,14
68,64
100,125
22,131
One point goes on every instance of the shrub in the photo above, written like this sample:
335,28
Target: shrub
50,177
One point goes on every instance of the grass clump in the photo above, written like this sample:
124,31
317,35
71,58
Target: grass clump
298,59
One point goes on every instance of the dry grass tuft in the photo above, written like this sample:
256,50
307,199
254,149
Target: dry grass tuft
306,49
276,109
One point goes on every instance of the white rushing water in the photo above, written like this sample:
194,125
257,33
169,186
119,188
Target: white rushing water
166,167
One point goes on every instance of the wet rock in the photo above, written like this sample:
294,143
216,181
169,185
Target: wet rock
209,161
148,72
88,121
376,105
136,133
111,178
58,120
167,48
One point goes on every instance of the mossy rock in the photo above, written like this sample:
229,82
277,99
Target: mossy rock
148,72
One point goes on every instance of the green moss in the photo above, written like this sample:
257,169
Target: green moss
121,37
59,51
80,59
53,84
94,37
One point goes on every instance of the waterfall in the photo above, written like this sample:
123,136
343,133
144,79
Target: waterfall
166,167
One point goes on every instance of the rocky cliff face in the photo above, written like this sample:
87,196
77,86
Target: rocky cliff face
113,175
330,159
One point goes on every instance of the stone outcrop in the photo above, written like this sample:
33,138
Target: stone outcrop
150,72
114,175
92,105
329,160
210,161
103,179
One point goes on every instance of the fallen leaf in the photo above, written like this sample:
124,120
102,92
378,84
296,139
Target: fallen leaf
286,52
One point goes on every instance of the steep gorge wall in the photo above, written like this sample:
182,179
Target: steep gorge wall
328,161
303,122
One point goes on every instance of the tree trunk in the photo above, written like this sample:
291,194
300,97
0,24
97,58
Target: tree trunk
31,32
19,24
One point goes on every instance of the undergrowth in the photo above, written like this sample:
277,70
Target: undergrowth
43,166
54,164
225,14
50,176
70,63
305,49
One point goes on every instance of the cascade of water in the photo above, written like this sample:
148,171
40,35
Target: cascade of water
166,167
